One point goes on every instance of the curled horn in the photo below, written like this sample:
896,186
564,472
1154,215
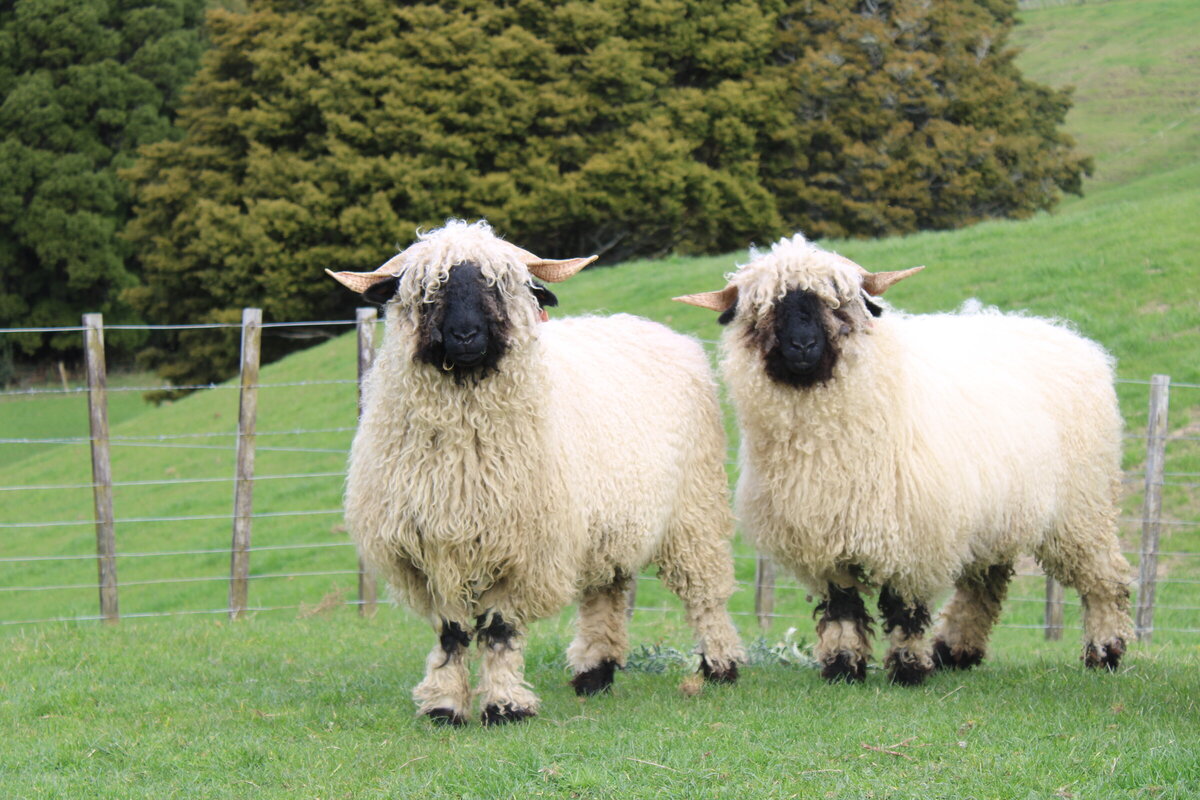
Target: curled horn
557,271
361,281
549,269
715,301
876,283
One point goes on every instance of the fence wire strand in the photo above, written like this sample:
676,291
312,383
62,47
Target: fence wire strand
785,584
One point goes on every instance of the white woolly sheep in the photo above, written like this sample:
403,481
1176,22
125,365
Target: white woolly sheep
917,452
505,465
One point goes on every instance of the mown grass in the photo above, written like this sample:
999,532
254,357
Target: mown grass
318,706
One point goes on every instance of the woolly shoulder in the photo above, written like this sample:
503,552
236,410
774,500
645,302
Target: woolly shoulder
618,330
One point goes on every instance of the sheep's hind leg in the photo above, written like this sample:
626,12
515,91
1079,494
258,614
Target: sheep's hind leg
843,635
601,640
909,657
1100,574
702,577
445,694
504,695
965,622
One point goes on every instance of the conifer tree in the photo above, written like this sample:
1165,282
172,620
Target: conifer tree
84,84
910,115
322,133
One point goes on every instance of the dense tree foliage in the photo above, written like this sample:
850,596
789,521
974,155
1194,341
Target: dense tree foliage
322,133
84,84
911,115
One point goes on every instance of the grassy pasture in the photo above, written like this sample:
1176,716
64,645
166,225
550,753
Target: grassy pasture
300,702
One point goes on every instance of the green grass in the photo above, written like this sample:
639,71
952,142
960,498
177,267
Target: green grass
1133,64
318,706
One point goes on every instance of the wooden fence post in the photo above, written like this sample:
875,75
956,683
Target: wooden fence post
368,590
1156,445
243,486
764,590
106,537
631,597
1054,609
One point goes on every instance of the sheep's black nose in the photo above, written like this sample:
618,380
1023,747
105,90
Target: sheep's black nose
465,336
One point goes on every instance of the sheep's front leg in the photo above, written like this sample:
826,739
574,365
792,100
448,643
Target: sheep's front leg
601,640
504,695
445,694
910,656
843,635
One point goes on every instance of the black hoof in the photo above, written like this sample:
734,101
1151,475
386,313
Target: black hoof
495,715
845,668
714,675
1111,657
444,716
945,658
905,672
595,680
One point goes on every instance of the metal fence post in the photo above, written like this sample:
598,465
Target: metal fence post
243,491
1156,445
106,537
368,589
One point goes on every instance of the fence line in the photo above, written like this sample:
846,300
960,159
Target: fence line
766,583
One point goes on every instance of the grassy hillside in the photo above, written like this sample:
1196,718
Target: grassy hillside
1119,263
1134,65
310,701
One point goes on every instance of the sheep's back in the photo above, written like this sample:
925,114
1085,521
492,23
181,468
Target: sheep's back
942,439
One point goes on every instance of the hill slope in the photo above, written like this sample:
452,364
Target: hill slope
1120,263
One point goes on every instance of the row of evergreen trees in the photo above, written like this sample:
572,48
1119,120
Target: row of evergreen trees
322,133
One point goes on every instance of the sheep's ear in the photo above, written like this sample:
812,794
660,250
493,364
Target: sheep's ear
557,271
877,283
875,309
714,301
380,293
545,297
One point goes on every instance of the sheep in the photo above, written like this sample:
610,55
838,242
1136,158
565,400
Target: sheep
506,465
912,453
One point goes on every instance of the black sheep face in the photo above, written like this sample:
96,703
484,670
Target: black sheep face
799,337
801,353
466,330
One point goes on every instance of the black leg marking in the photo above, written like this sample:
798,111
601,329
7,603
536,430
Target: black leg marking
498,633
844,604
912,620
987,588
714,675
453,638
845,668
444,716
1111,659
495,715
963,659
595,680
945,658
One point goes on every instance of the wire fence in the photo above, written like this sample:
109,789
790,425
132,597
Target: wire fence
283,527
